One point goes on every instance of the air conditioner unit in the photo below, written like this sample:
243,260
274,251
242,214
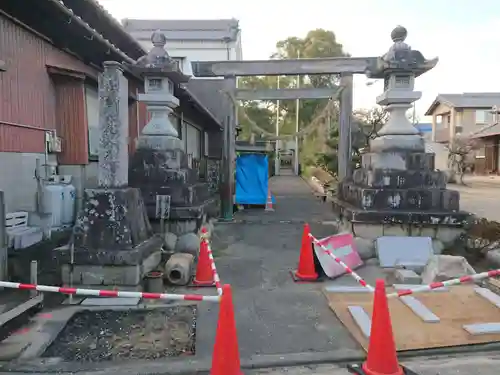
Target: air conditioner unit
54,144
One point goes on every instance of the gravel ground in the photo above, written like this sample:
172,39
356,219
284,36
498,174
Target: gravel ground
107,335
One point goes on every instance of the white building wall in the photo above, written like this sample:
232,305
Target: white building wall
200,51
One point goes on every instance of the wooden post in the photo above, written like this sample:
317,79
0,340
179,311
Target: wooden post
33,276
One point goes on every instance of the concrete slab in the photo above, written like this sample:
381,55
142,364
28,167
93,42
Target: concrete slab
403,251
110,301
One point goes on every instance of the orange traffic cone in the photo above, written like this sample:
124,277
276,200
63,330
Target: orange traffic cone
306,270
226,355
204,275
269,202
382,357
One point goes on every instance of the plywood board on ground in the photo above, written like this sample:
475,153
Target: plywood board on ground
455,308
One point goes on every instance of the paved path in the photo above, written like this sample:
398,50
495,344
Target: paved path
275,315
480,197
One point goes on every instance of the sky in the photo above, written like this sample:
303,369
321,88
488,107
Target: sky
464,34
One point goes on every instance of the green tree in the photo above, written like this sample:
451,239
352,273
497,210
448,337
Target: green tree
317,43
366,123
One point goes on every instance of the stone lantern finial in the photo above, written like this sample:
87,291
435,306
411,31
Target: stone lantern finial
399,34
159,39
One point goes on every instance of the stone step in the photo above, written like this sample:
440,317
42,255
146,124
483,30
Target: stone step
416,161
421,199
389,178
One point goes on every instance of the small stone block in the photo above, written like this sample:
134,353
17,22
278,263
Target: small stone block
106,301
489,295
413,286
482,328
361,318
407,277
420,309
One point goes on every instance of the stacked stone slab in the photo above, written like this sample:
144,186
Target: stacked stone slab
112,243
397,190
160,166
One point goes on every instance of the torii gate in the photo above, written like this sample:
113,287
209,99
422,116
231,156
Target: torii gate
343,66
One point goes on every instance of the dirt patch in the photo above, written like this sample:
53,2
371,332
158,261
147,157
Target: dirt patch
106,335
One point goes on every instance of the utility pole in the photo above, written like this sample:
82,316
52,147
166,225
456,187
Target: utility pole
297,117
277,155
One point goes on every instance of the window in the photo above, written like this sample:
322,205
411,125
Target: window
483,117
180,62
92,108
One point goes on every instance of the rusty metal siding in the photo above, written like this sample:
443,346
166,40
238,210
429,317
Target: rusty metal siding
27,91
16,138
71,121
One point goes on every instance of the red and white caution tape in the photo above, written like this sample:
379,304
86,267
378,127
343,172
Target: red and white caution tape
214,269
215,274
460,280
348,269
109,293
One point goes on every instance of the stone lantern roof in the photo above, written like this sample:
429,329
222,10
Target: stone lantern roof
400,58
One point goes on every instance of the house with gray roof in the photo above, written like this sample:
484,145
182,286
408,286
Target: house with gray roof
191,40
469,114
465,114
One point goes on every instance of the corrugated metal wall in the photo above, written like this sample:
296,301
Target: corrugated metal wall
27,92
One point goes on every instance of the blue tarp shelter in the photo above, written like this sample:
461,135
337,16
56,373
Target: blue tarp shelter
252,179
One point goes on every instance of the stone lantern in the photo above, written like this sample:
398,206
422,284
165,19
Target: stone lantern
159,167
396,190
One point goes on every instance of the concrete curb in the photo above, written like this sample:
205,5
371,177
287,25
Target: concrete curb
202,366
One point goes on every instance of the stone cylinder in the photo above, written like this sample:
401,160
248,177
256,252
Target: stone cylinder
178,269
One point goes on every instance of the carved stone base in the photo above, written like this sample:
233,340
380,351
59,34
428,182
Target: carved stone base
112,240
371,225
111,220
99,275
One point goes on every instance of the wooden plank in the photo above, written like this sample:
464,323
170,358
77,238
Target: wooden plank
460,306
482,328
361,318
420,309
488,295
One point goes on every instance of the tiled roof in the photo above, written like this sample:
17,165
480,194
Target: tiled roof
488,131
209,93
227,29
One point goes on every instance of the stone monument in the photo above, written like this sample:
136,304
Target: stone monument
397,190
112,242
160,167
